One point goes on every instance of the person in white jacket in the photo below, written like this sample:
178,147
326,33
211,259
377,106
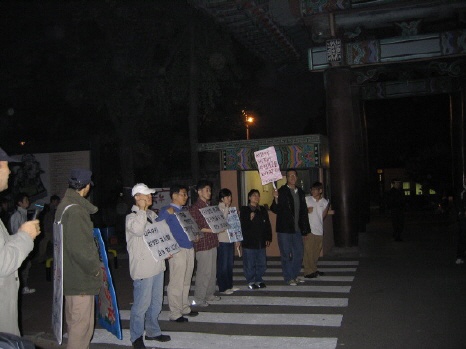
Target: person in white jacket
13,251
146,272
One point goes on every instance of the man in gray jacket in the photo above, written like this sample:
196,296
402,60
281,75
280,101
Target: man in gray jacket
13,251
146,272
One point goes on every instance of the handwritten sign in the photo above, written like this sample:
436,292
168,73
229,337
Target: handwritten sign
160,240
108,315
189,225
234,225
57,300
267,164
214,218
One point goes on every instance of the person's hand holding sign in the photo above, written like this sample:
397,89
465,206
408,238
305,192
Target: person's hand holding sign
275,195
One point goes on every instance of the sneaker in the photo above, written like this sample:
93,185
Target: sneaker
261,285
460,261
300,279
227,292
213,298
320,273
292,283
161,338
139,344
253,286
27,290
234,289
199,304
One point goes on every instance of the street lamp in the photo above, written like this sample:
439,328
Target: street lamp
249,120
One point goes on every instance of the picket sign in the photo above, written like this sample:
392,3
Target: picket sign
160,241
57,298
267,164
189,225
214,218
234,225
108,315
107,307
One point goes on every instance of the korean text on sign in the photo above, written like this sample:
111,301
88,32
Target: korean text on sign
160,240
267,164
214,218
189,225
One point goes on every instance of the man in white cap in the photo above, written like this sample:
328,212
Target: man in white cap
146,272
13,251
82,273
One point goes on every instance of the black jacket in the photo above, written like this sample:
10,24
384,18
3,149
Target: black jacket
285,211
256,231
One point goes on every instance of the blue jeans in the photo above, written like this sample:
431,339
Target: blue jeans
291,254
254,264
225,255
148,299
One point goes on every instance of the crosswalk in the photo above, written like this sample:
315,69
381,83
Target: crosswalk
279,316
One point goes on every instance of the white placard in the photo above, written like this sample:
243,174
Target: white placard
160,240
214,218
234,226
267,164
189,225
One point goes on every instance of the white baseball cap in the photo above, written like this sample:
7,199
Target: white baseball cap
141,188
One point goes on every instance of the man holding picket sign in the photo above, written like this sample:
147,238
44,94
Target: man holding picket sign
290,207
182,263
146,272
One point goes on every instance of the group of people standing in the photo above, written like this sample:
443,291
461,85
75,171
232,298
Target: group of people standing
212,253
299,228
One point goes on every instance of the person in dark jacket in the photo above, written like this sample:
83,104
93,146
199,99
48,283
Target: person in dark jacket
82,273
257,235
292,223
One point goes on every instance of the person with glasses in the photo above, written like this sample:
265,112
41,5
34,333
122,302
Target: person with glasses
181,263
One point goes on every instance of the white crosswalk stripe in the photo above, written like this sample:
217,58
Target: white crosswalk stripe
317,303
193,340
332,320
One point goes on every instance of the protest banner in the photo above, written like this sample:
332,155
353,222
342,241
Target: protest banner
57,298
160,240
189,225
234,225
214,218
108,315
267,164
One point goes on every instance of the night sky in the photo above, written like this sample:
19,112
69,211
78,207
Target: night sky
66,65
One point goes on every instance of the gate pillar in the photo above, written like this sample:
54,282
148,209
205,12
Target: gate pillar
347,173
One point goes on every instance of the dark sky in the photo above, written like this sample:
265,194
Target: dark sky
40,45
